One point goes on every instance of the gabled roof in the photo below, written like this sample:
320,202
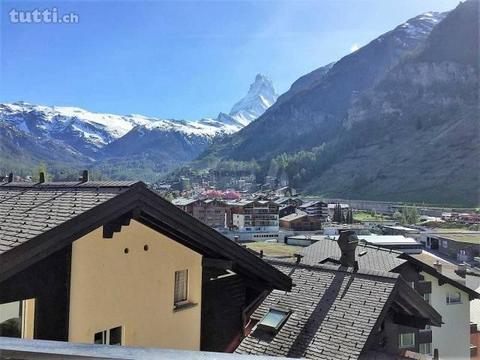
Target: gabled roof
38,219
375,258
334,312
465,236
312,203
294,216
183,201
368,257
442,279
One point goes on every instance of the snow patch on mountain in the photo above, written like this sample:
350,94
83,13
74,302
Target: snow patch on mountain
96,129
420,26
89,132
259,98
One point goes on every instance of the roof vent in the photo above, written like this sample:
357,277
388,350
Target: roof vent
10,177
41,177
438,266
348,242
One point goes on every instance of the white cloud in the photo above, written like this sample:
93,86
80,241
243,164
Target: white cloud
354,47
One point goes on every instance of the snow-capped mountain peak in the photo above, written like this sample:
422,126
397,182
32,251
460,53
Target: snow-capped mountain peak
89,131
259,98
92,134
421,25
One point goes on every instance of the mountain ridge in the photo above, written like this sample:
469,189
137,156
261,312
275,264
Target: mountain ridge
88,137
395,120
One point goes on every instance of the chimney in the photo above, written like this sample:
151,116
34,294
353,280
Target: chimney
84,177
41,178
298,258
438,266
10,177
348,242
462,270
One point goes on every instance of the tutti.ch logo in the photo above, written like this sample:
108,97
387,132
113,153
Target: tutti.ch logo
45,16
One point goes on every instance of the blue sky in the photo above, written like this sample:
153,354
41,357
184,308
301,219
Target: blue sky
182,59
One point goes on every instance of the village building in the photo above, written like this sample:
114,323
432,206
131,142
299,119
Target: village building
394,242
398,230
289,200
211,212
318,209
255,220
300,221
460,245
285,210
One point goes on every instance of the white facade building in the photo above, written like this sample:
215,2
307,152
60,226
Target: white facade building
452,339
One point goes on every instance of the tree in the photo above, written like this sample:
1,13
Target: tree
410,215
42,167
335,213
338,214
397,216
349,217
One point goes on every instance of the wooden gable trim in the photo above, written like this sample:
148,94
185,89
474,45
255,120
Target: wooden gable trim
196,233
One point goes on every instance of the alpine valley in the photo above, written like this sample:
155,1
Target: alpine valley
396,120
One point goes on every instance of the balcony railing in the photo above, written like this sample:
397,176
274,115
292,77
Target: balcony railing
19,349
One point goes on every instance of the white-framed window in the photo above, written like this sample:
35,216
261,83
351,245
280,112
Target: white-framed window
427,297
454,297
462,252
425,348
109,337
181,287
100,337
445,244
406,340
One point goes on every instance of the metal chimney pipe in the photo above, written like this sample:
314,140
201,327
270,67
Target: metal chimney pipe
85,176
438,266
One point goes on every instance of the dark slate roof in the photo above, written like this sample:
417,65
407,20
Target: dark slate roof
311,203
326,251
374,258
38,219
27,210
333,313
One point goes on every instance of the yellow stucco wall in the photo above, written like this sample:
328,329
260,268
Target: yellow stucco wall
110,288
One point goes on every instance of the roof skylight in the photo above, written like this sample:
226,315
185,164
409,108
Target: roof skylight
273,320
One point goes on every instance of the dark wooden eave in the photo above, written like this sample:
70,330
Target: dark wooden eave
414,305
415,311
147,207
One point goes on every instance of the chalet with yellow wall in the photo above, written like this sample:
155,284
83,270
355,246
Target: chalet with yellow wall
114,263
